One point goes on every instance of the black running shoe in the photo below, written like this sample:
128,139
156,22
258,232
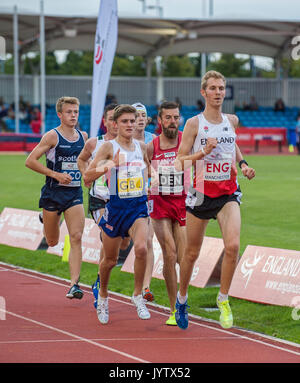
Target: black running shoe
41,217
75,292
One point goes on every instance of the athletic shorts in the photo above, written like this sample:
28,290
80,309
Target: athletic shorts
60,199
167,207
205,207
116,222
95,205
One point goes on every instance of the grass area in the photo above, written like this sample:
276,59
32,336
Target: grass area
270,217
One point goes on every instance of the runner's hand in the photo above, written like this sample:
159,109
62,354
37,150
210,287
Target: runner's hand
63,178
248,172
211,143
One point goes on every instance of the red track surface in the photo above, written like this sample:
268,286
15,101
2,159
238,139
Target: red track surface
42,326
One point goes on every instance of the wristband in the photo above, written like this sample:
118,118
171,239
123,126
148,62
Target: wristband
242,162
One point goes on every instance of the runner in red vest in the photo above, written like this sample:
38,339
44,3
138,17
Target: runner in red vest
167,201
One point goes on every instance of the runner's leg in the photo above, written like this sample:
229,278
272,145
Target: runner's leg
195,231
139,234
111,251
229,219
74,217
51,227
163,229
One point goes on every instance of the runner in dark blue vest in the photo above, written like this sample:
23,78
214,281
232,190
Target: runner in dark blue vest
62,192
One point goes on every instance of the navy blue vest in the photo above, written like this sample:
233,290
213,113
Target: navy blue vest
63,159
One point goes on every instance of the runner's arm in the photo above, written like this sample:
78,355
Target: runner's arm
85,155
101,164
246,170
185,158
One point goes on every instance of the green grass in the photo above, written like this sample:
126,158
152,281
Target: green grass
270,217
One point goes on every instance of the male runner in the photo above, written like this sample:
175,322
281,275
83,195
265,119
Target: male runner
62,192
167,205
99,192
142,135
126,214
210,138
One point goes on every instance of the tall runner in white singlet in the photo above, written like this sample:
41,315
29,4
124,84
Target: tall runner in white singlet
126,214
209,142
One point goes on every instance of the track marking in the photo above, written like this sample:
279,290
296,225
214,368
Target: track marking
39,275
78,338
117,339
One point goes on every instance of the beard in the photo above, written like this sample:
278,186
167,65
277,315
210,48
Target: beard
170,133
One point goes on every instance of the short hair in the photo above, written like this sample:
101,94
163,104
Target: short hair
66,100
108,108
123,108
211,74
167,105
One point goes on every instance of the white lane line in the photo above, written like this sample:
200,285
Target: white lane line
117,339
79,338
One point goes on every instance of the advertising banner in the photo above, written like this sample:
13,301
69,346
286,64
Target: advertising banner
206,266
20,228
267,275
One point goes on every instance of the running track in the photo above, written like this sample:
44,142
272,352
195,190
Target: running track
40,325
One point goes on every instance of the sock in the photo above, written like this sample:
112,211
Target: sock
181,299
222,297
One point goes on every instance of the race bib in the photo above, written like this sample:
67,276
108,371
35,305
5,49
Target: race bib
130,182
101,188
170,180
71,168
217,170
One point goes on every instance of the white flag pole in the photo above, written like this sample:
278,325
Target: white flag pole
106,39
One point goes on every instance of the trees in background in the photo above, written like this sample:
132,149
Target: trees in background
81,64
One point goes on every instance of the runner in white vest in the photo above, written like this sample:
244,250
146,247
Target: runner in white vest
99,192
209,143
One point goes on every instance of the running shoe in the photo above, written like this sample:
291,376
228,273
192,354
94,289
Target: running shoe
148,295
95,289
102,310
141,308
41,218
226,319
181,315
171,320
75,292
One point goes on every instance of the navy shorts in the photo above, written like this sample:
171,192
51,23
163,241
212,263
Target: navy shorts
204,207
60,199
116,222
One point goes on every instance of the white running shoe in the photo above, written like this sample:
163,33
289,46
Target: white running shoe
102,310
141,308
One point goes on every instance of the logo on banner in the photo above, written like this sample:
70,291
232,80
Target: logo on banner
99,49
248,267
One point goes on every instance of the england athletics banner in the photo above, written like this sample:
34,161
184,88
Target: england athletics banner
104,51
267,275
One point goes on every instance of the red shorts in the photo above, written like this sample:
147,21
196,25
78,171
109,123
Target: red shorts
167,207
